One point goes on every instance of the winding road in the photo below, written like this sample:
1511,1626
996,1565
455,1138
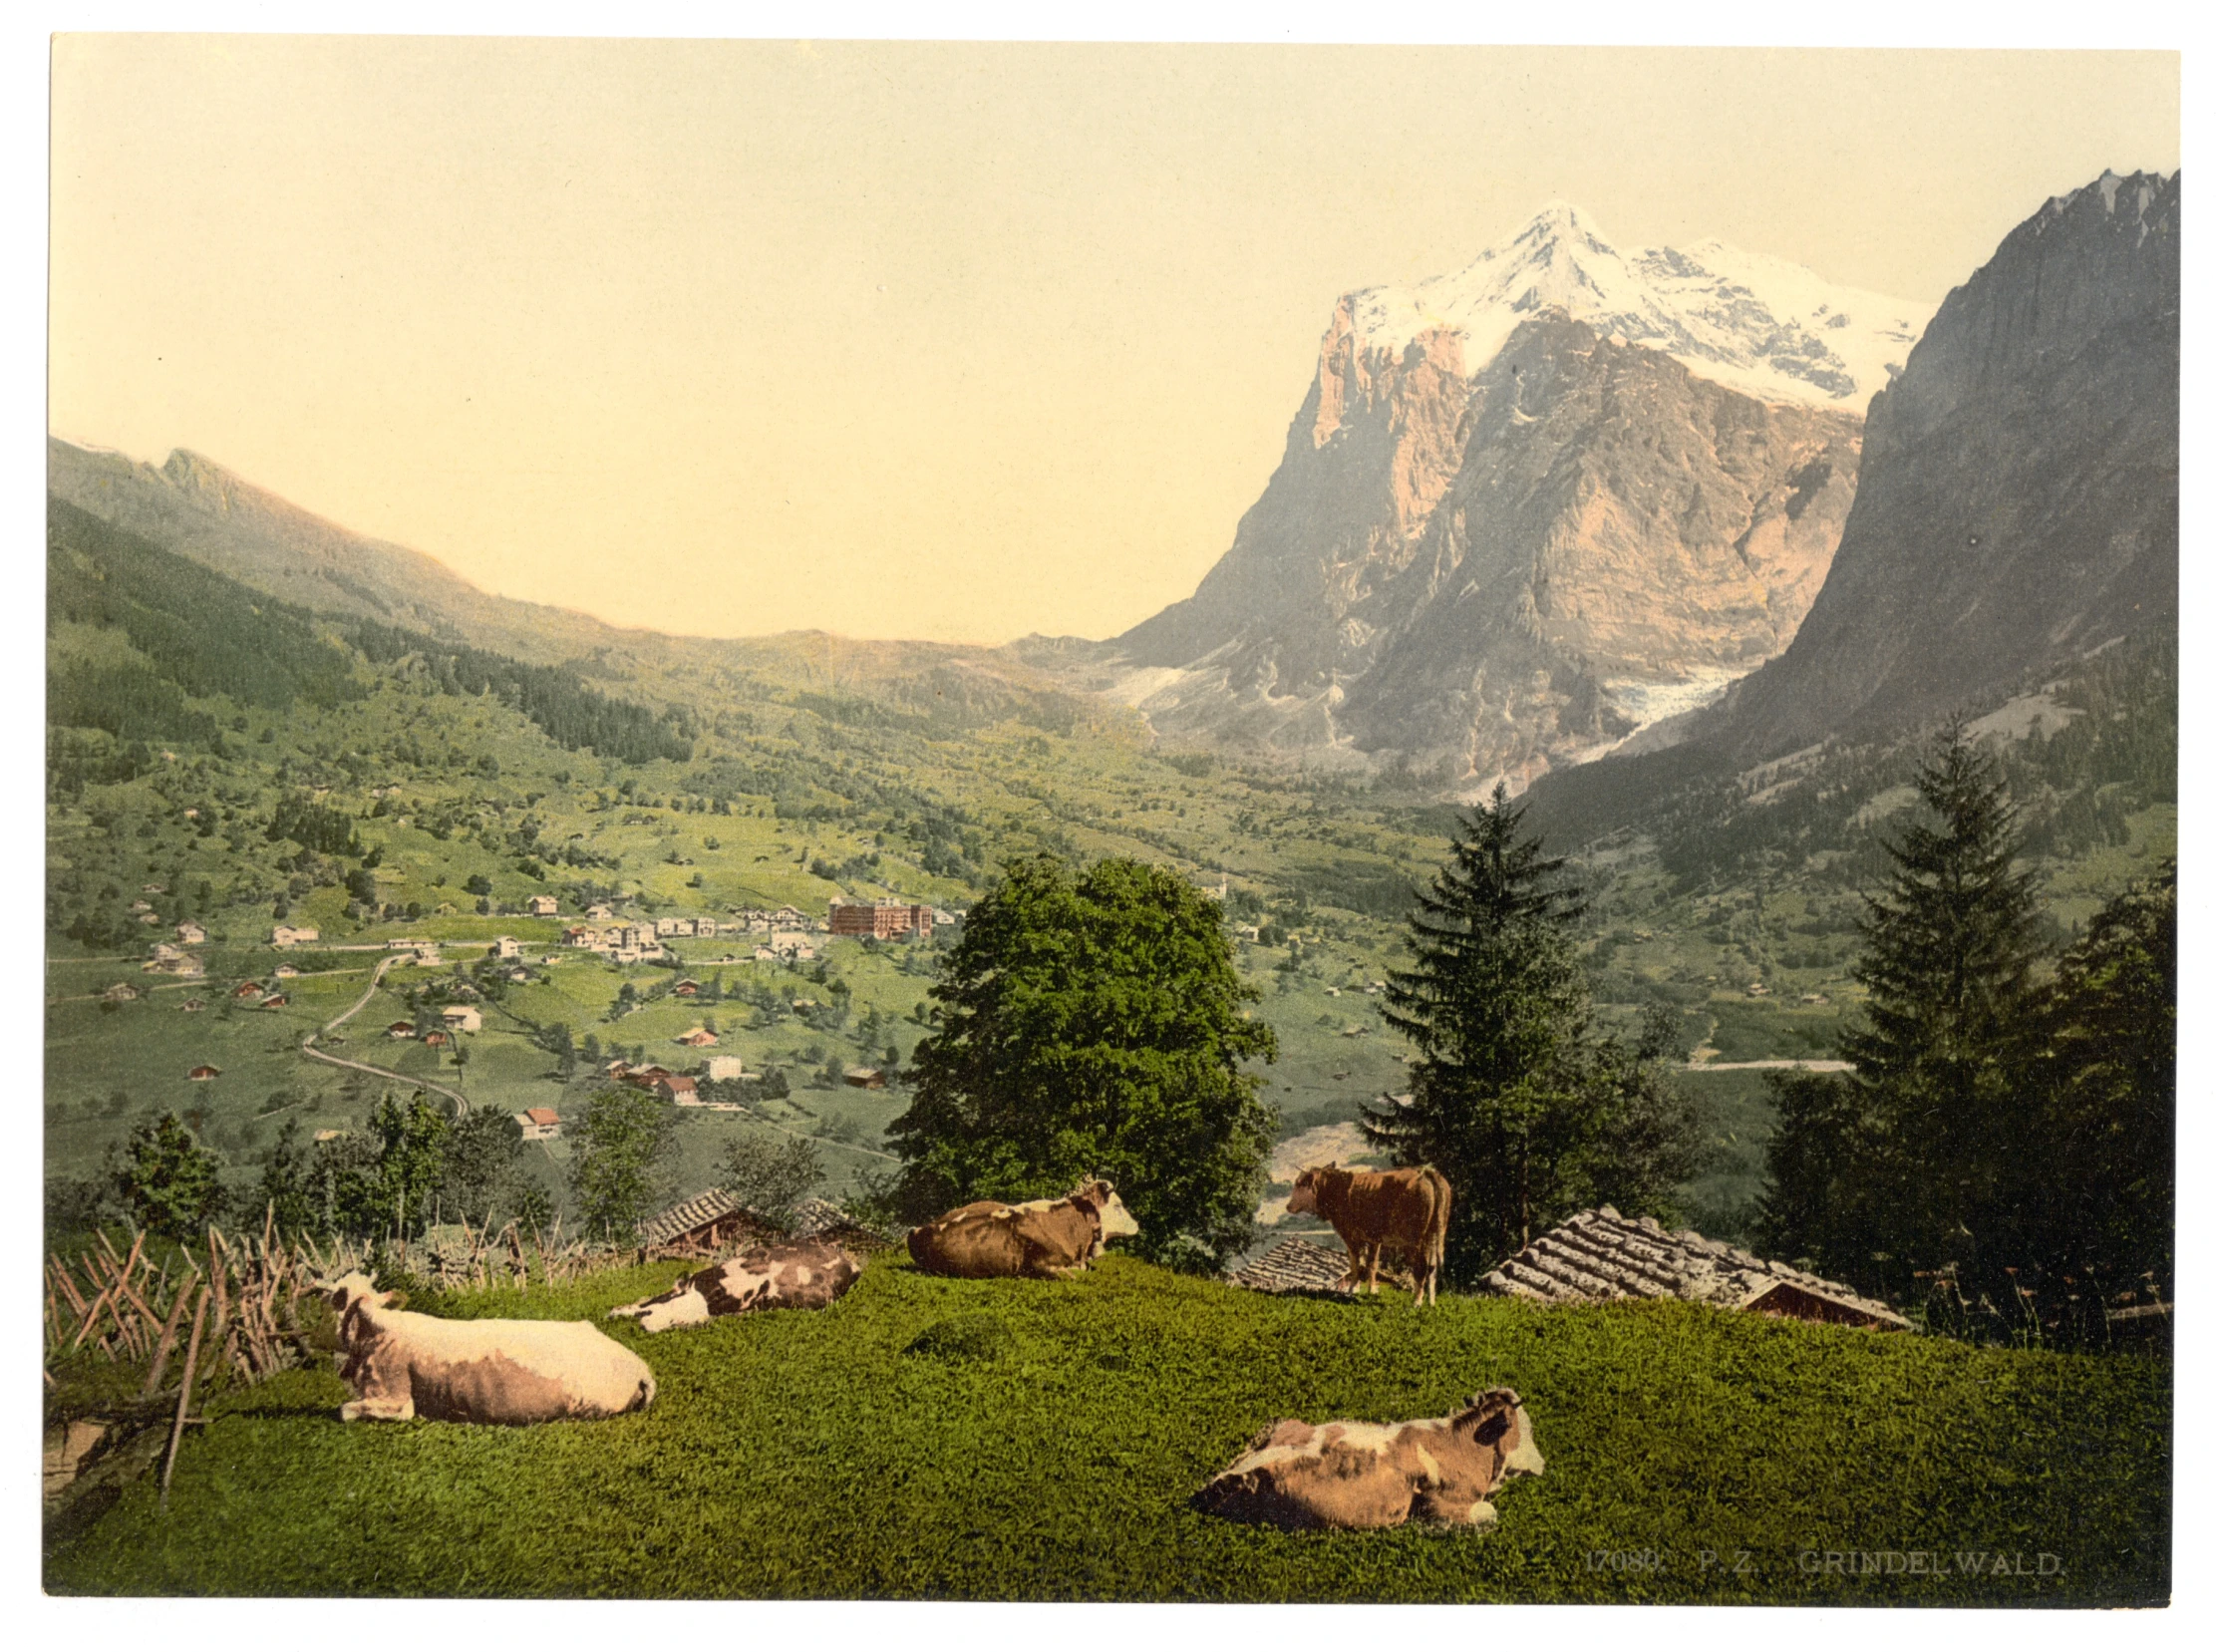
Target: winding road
308,1049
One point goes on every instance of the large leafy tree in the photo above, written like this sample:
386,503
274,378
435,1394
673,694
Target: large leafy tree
1093,1023
172,1184
1908,1160
1511,1096
615,1160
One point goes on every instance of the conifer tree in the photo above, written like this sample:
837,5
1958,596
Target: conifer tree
1908,1158
1511,1098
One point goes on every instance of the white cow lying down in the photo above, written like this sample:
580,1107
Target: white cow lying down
402,1365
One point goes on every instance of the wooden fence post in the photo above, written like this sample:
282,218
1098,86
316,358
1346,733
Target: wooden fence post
184,1398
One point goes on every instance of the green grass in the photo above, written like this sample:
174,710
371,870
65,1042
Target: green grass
928,1437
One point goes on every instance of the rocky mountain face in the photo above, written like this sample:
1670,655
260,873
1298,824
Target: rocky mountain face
2019,497
1531,508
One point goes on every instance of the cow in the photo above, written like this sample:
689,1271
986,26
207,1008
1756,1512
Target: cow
1363,1476
1040,1239
806,1274
1373,1211
511,1371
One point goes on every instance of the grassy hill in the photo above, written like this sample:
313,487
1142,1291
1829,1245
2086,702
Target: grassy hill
1011,1439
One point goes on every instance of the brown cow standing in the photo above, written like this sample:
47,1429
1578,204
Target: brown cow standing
1339,1476
1041,1239
1376,1210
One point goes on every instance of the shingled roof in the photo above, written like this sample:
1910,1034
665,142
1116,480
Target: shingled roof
720,1210
1599,1256
665,1226
1292,1265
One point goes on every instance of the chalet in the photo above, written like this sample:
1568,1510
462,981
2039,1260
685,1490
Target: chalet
507,946
286,934
544,907
703,928
686,988
200,1075
285,972
724,1068
1598,1255
866,1078
698,1038
578,935
673,926
191,934
540,1123
518,974
618,1070
142,906
762,955
401,1029
434,1039
154,889
191,1006
276,1001
679,1089
149,917
462,1017
599,913
121,993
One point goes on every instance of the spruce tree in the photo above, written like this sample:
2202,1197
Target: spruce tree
1908,1160
1510,1098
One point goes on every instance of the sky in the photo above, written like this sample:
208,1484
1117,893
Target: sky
952,341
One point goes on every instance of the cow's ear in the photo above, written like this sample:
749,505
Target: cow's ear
391,1299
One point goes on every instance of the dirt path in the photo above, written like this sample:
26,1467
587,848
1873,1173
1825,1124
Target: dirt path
377,978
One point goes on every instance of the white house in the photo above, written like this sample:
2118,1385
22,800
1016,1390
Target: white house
286,934
544,907
540,1123
507,946
724,1067
462,1017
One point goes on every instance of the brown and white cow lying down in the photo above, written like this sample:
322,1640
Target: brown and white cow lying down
402,1365
1041,1239
1375,1211
805,1274
1337,1475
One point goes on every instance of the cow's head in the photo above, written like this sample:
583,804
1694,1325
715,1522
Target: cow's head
1303,1201
1100,1197
1497,1417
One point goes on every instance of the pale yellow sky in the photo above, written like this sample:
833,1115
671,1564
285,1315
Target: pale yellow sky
953,341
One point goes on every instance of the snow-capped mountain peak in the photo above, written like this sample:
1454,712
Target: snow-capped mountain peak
1760,325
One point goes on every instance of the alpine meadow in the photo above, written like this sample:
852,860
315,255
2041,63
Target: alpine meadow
1587,1014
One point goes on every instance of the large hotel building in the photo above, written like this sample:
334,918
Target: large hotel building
880,919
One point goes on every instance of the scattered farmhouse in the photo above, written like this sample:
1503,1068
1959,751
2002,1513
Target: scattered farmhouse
540,1123
675,1087
462,1017
866,1078
507,946
191,934
200,1075
286,934
687,988
434,1039
880,919
544,907
599,913
121,993
276,1001
1598,1255
191,1006
285,972
722,1067
698,1038
401,1029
